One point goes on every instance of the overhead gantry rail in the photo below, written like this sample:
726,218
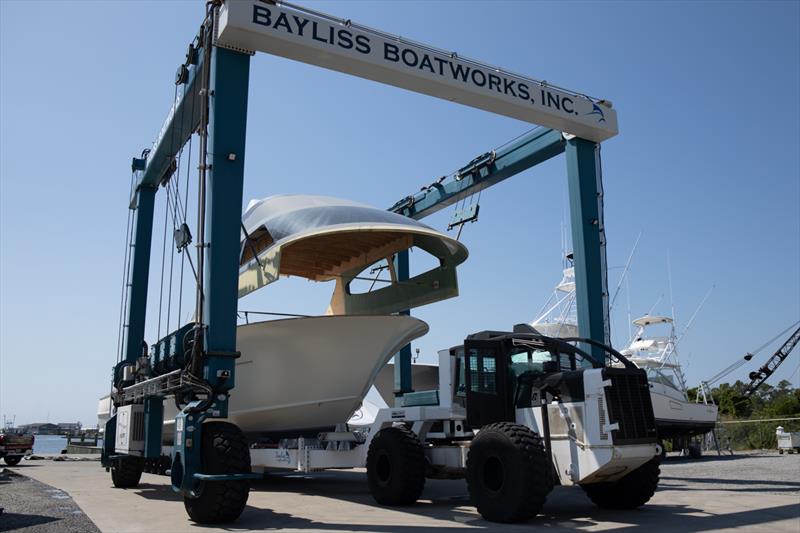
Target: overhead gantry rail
305,35
182,120
482,172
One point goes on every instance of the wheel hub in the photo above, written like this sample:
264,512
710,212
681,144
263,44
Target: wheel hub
383,469
493,474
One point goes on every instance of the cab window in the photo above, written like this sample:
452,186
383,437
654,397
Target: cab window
483,371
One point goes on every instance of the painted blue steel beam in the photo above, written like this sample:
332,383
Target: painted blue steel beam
531,149
227,127
154,425
588,241
586,213
484,171
402,361
140,272
181,122
230,73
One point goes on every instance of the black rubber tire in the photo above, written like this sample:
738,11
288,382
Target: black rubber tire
126,472
396,467
695,450
509,474
629,492
225,451
12,460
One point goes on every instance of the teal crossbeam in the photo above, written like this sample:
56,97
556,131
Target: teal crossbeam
182,120
484,171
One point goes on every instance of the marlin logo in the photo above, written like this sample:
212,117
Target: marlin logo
597,110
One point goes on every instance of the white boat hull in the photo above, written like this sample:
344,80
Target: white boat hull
676,417
307,373
312,372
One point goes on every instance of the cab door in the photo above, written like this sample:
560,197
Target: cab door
487,384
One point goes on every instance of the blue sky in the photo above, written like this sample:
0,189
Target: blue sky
707,166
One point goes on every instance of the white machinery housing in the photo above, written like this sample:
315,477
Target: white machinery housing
130,429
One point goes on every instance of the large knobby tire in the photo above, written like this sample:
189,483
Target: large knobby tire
126,472
396,467
629,492
12,460
695,450
509,474
225,451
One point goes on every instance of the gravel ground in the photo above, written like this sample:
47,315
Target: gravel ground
756,471
31,506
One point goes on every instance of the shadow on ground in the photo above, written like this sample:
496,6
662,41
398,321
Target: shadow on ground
153,491
12,521
567,508
729,485
710,457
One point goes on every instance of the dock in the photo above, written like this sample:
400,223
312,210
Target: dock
83,445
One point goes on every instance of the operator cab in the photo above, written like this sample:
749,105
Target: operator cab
498,372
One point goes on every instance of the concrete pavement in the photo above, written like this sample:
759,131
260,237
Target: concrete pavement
709,495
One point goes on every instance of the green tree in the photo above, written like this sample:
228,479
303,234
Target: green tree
781,400
732,401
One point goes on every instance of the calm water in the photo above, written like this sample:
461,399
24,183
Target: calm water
51,444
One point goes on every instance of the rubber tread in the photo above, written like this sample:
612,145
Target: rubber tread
527,467
629,492
225,451
127,472
695,450
407,463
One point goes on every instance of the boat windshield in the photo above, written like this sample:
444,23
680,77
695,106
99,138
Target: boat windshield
664,376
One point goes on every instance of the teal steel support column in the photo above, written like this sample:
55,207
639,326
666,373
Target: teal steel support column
139,273
230,72
153,423
402,361
588,240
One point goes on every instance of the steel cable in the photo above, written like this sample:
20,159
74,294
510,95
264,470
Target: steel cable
123,300
163,261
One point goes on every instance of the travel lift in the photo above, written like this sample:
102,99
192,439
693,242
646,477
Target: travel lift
561,419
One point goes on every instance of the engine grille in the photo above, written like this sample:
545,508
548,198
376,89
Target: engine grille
629,405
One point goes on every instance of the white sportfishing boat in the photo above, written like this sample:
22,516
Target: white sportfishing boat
558,316
309,373
677,415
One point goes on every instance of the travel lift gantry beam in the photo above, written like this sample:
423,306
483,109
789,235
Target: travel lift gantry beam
586,217
213,101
